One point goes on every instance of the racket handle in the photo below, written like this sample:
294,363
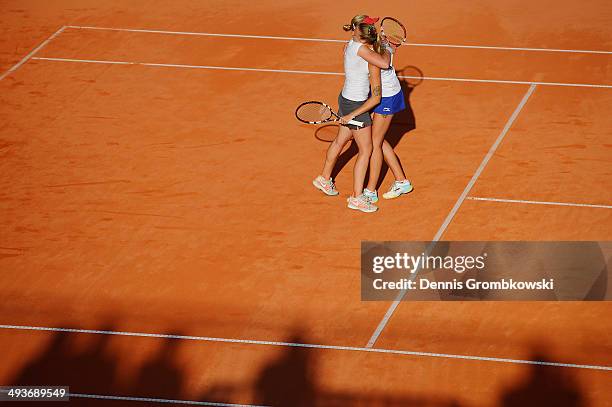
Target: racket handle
355,123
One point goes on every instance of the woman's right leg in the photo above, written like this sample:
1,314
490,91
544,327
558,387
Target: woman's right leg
358,201
324,182
334,150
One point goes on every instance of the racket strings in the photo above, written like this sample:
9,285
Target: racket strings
314,112
394,32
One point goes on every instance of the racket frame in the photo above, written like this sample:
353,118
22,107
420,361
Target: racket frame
382,30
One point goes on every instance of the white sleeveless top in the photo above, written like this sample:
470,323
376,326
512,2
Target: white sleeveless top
389,81
357,77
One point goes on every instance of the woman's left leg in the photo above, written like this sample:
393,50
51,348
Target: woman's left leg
363,138
380,125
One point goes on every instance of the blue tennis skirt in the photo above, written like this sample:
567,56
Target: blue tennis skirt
391,104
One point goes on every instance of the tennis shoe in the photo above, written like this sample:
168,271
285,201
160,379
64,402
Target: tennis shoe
398,188
327,186
361,203
371,195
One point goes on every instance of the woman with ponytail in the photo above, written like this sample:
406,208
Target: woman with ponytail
362,66
393,101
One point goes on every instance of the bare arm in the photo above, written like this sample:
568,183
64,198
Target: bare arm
374,58
374,98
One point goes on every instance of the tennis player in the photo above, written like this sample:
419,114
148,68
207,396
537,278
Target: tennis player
362,71
392,102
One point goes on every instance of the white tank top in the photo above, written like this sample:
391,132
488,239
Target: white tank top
389,81
356,81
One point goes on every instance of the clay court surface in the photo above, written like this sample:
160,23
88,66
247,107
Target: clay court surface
147,189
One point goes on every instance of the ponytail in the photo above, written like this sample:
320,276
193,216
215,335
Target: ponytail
354,22
371,36
379,45
368,33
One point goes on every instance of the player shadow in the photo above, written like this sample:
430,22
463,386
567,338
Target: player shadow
288,380
291,378
89,371
544,386
162,376
87,364
402,123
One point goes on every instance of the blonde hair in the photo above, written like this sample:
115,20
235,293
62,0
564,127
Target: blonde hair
354,22
367,32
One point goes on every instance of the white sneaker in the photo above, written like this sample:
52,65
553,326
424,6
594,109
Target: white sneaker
327,186
398,188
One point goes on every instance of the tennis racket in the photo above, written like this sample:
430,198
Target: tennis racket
317,113
393,31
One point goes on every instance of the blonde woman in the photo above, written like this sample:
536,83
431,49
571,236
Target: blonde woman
362,71
393,101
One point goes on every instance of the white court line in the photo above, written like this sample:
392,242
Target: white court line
227,68
222,68
200,34
474,198
31,54
391,310
306,345
153,400
270,37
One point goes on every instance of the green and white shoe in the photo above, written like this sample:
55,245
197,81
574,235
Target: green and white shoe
372,195
398,188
